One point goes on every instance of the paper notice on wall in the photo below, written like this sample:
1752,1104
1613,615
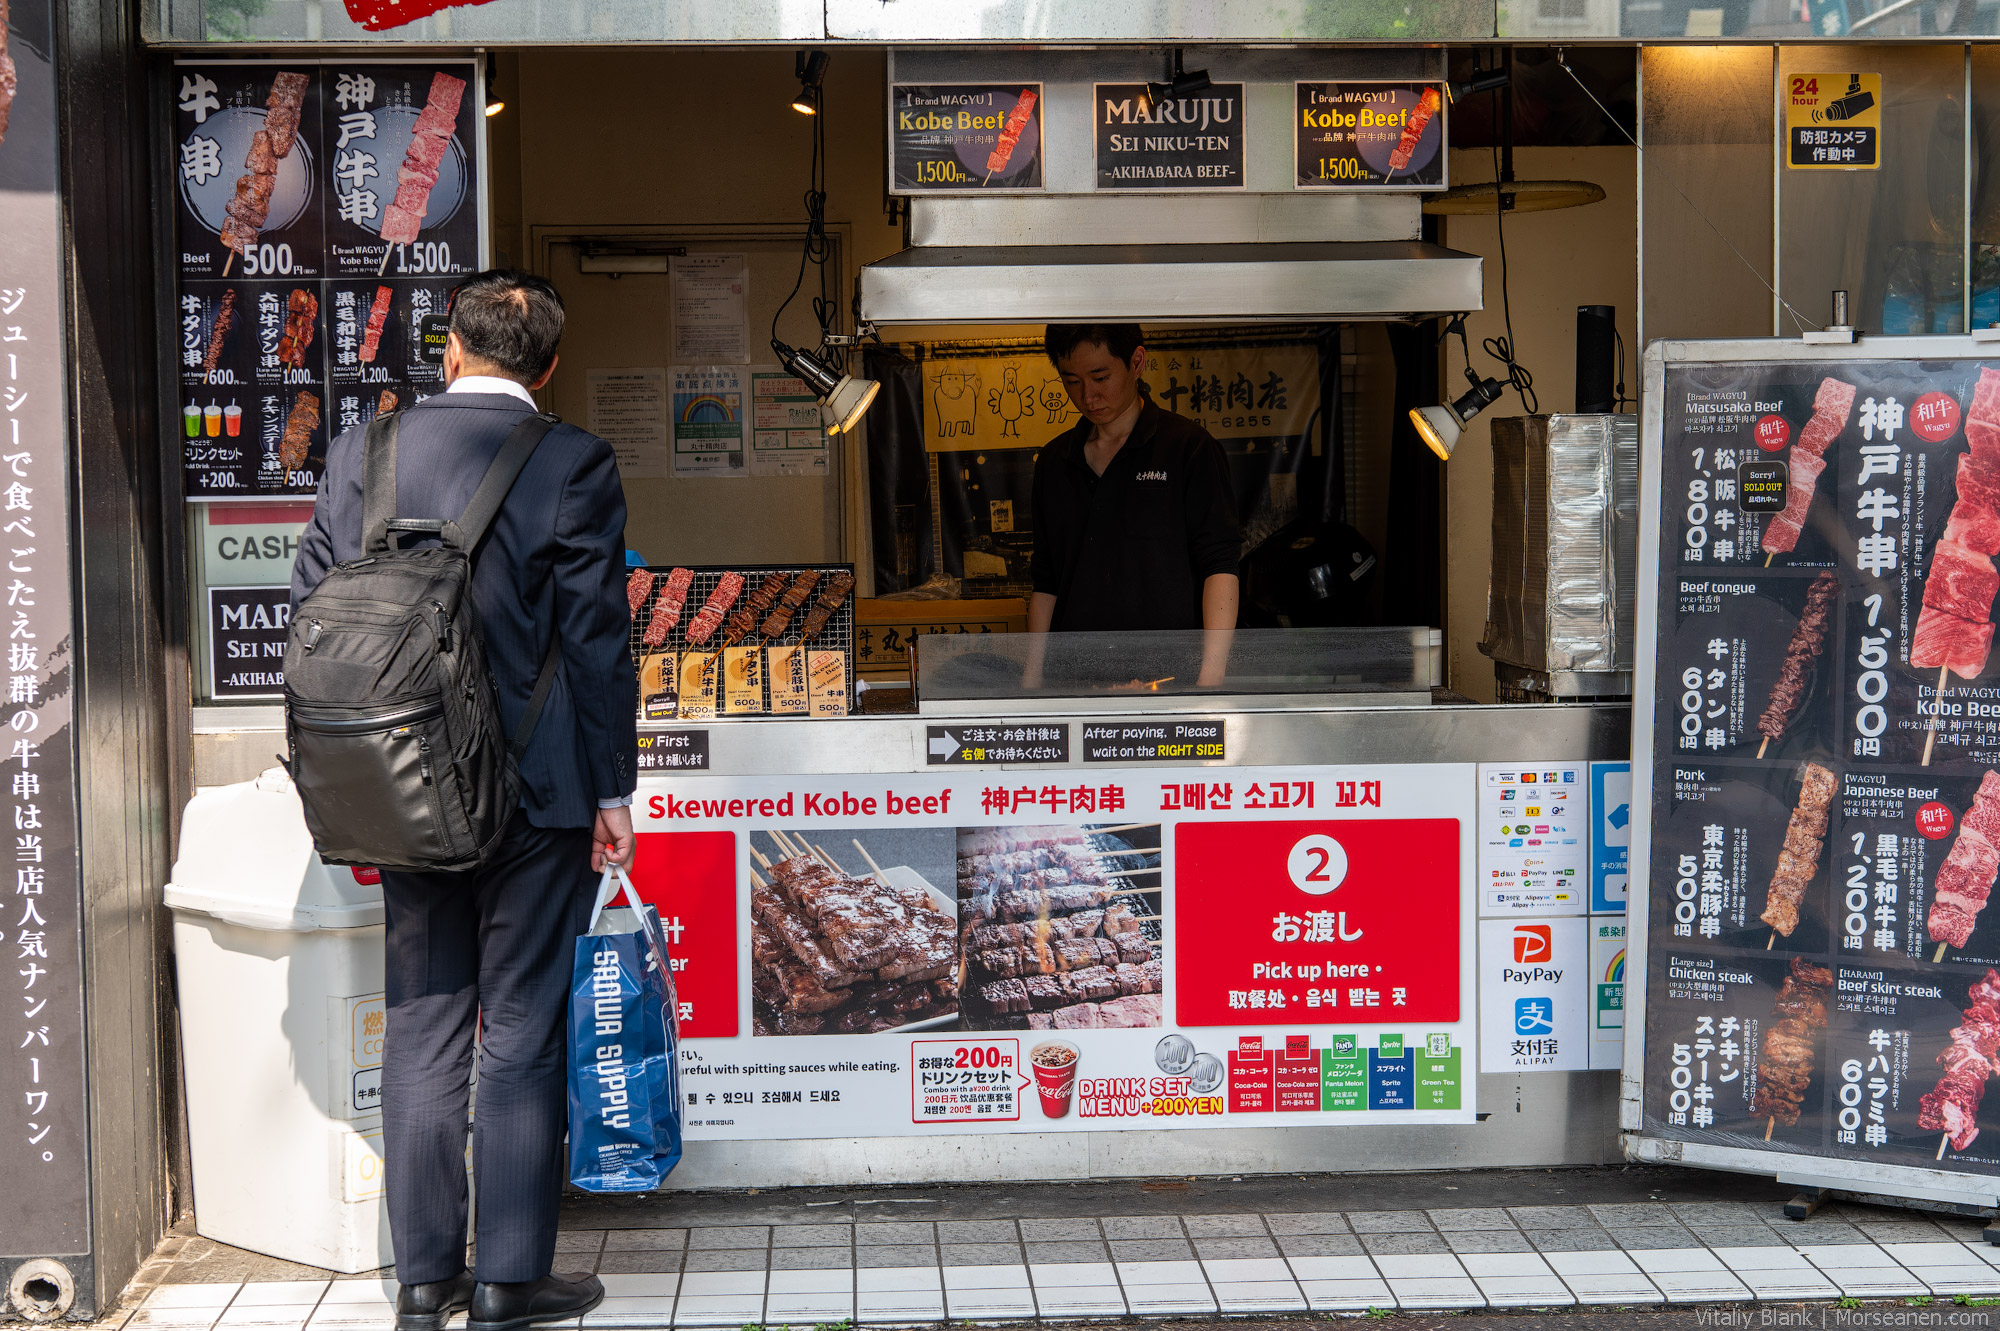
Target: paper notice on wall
709,409
711,295
628,410
786,435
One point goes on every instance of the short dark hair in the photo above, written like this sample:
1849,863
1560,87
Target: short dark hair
1121,340
510,320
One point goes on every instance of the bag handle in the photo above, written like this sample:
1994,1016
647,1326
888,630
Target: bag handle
378,485
609,887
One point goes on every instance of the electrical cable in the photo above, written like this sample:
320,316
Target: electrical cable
1502,348
1619,400
817,246
1798,320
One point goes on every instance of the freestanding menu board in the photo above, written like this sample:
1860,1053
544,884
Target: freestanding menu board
1817,738
322,212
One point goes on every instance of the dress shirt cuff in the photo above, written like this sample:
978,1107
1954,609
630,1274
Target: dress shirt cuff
616,802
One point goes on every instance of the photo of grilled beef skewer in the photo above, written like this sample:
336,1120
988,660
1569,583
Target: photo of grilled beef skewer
378,319
1808,642
744,620
218,333
1954,630
403,219
1798,861
1972,1056
780,619
1965,880
296,441
386,403
1790,1044
1806,460
245,214
301,321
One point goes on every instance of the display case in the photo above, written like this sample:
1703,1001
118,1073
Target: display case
1173,670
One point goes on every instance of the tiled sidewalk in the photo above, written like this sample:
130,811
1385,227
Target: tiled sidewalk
926,1271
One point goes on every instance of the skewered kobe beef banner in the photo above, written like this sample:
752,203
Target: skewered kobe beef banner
1825,811
322,212
1019,951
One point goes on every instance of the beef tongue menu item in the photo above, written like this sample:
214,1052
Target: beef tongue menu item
1970,1058
1831,406
1798,861
1785,1059
218,336
1808,641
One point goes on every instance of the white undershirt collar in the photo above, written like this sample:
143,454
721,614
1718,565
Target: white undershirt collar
488,383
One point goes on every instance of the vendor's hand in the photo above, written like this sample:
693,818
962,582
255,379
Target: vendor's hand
611,840
1212,677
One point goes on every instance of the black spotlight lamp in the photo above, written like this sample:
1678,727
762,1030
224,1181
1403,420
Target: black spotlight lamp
1181,82
844,399
811,68
494,106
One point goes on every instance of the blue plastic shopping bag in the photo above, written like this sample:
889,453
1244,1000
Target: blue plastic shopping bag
624,1091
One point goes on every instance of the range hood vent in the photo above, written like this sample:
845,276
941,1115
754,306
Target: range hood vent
1165,284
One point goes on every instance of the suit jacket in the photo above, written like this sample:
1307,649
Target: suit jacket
552,563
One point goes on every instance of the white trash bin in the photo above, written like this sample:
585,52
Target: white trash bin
280,965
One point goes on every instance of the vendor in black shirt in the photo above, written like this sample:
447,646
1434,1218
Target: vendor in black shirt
1135,525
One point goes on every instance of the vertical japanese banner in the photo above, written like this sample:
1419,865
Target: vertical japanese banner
322,210
1825,756
43,1115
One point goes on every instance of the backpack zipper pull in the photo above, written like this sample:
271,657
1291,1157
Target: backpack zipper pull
312,634
424,757
443,626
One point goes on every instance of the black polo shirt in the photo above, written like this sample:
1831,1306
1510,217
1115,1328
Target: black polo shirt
1130,549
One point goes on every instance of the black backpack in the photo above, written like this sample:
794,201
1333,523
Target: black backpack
390,711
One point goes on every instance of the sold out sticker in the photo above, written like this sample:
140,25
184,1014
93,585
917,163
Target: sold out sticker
1772,433
1934,821
1934,417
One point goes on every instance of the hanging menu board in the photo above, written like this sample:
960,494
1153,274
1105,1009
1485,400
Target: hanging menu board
965,137
1372,135
1823,821
322,213
1146,141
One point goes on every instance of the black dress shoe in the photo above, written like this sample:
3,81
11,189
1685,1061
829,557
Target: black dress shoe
428,1307
511,1306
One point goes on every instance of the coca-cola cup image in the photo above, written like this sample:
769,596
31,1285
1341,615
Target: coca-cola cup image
1055,1075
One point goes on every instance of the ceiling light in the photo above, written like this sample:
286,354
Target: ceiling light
811,69
1441,426
494,106
843,398
1180,83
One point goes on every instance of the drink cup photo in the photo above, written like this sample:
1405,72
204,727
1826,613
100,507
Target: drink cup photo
212,418
1055,1075
191,421
232,420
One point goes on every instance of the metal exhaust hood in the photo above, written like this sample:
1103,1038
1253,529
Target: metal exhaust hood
1285,281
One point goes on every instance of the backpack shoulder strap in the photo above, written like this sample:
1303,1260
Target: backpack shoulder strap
492,491
378,482
543,683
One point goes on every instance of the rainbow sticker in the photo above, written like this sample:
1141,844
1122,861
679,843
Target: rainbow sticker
1614,973
706,408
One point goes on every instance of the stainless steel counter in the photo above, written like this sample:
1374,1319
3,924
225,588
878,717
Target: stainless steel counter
1537,1119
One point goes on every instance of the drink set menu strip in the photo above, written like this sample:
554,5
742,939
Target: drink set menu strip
1825,814
323,214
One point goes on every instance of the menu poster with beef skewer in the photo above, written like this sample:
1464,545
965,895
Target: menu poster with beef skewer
1825,748
965,137
1001,956
285,334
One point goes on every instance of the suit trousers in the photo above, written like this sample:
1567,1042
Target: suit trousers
488,950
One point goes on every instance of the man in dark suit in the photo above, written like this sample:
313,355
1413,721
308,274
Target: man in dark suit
491,949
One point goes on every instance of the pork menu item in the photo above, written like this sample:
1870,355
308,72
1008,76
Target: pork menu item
299,426
436,124
638,588
667,609
1010,134
301,319
1965,879
1955,630
8,79
1798,861
1972,1056
744,621
385,403
709,618
1420,119
244,215
218,334
1808,641
1785,1058
1831,406
378,318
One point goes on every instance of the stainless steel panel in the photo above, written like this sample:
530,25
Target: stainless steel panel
1174,219
1542,1119
1157,20
1169,283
